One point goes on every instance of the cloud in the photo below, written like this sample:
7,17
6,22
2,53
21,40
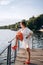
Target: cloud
5,2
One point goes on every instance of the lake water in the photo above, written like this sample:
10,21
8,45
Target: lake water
6,35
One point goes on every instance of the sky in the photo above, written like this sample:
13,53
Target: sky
12,11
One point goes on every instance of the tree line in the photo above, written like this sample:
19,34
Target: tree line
34,23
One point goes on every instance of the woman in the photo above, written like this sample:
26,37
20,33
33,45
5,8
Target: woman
25,39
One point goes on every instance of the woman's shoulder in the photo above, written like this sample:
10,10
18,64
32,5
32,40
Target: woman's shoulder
27,28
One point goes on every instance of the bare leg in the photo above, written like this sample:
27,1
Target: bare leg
28,54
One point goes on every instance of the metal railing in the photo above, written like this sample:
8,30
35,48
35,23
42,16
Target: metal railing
9,54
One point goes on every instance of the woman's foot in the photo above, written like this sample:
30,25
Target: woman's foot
27,62
14,47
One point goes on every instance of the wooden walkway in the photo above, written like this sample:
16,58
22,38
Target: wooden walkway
36,57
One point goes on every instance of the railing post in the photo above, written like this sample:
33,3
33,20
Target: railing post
32,41
18,44
9,55
15,52
15,55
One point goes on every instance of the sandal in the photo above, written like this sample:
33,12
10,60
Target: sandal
27,62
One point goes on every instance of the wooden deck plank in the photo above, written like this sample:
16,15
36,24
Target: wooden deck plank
36,57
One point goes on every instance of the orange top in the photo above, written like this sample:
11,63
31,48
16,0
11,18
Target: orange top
20,36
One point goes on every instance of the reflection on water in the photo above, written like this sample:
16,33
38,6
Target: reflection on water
37,40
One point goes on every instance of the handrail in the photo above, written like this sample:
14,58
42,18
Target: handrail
8,45
9,53
5,49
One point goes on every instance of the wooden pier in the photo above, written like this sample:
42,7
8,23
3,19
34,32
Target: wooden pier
36,57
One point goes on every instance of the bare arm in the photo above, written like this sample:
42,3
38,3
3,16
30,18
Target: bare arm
29,35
